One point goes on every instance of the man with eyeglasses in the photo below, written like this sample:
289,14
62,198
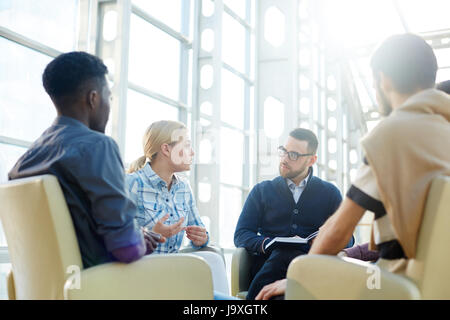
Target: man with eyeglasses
296,203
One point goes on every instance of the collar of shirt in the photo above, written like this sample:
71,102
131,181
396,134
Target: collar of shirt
292,186
156,180
69,121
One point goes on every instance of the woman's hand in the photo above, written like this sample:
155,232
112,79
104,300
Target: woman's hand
197,235
168,230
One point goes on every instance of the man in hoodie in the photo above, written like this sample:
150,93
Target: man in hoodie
403,154
362,251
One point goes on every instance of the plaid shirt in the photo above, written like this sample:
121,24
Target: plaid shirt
153,200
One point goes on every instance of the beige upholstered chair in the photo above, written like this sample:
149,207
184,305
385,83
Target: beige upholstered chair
427,276
45,255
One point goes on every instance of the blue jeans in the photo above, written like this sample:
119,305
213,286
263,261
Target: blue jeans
274,268
221,296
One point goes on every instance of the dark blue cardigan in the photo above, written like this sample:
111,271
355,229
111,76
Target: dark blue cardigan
270,211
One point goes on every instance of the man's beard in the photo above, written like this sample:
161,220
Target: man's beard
385,106
291,174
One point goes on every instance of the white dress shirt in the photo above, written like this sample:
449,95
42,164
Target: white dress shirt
297,190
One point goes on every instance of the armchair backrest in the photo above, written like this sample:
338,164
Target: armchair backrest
430,268
41,239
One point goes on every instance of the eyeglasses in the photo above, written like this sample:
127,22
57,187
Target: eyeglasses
292,154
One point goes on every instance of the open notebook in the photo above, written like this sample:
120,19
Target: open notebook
289,241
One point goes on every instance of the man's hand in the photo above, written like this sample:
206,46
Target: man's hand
197,235
151,240
168,230
271,290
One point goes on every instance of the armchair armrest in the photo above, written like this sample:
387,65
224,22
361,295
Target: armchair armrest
240,271
331,277
211,248
159,277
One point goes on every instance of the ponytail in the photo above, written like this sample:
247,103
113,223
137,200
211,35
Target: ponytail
156,134
137,164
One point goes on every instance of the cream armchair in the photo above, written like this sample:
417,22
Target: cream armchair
46,260
426,277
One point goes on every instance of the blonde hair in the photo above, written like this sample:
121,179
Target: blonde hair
158,133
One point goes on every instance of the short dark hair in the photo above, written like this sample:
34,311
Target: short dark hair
408,60
306,135
444,86
69,71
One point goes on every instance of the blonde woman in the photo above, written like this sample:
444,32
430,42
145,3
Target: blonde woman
164,200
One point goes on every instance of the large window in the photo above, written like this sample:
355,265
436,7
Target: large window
142,110
159,68
224,118
31,34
